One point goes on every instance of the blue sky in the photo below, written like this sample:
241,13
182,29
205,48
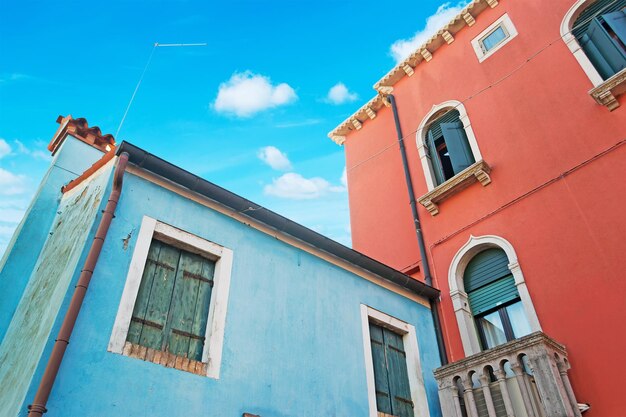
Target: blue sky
250,111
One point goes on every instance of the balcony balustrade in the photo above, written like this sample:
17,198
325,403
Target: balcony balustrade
526,377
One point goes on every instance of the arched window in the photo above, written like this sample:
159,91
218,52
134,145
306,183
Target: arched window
489,295
600,29
446,143
595,32
493,299
448,147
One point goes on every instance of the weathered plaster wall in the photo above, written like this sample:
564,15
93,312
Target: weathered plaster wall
293,343
47,288
72,159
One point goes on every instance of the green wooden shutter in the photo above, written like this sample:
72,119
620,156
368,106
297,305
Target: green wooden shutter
189,309
458,147
381,380
488,281
154,298
391,379
579,28
608,48
434,158
617,22
595,56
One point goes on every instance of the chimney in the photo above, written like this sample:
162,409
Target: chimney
79,129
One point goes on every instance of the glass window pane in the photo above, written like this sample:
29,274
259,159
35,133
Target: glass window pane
494,38
493,329
518,319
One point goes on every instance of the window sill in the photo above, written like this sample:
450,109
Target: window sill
164,358
479,171
606,93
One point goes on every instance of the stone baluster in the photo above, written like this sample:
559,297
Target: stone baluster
568,387
470,402
506,398
518,370
484,382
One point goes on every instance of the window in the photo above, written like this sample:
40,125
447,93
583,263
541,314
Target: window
498,34
448,146
172,305
494,299
394,377
393,395
600,30
173,308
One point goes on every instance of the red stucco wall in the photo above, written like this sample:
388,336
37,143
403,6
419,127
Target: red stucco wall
569,232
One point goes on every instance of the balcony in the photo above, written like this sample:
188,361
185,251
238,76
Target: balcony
526,377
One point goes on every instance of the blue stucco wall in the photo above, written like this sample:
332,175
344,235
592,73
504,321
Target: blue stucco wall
72,159
293,343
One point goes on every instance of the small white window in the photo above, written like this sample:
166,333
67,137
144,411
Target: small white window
498,34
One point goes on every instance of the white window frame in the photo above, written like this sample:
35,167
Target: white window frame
503,22
460,301
433,114
409,339
223,257
572,44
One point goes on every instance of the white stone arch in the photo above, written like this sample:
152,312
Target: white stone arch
572,43
464,317
435,112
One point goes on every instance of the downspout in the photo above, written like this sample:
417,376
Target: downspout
38,407
418,230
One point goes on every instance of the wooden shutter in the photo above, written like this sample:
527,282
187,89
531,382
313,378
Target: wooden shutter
190,306
579,28
172,304
154,297
391,379
434,158
617,22
488,281
458,147
597,40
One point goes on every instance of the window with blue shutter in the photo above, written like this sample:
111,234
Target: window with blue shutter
494,299
448,148
391,379
172,306
601,32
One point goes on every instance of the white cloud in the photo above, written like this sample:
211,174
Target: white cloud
273,157
37,153
344,177
339,94
247,93
294,186
5,149
11,184
402,48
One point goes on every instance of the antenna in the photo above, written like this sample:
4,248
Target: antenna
132,98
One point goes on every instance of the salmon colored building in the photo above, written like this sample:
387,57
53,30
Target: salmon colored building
514,129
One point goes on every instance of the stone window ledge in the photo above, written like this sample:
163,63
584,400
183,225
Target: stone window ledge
479,171
166,359
606,93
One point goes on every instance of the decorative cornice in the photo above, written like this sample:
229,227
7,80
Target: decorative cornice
422,53
478,171
606,93
79,128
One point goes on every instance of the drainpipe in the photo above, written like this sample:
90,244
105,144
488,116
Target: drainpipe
418,230
38,407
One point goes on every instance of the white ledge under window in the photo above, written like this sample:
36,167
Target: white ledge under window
477,172
606,93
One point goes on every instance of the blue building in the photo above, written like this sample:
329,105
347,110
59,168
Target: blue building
195,301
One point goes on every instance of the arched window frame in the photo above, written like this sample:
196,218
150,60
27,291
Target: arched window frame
460,303
574,46
423,129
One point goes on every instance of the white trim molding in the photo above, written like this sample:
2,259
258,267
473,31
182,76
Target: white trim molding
433,114
223,257
507,26
572,43
414,368
465,319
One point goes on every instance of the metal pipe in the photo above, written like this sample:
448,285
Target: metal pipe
418,230
38,407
